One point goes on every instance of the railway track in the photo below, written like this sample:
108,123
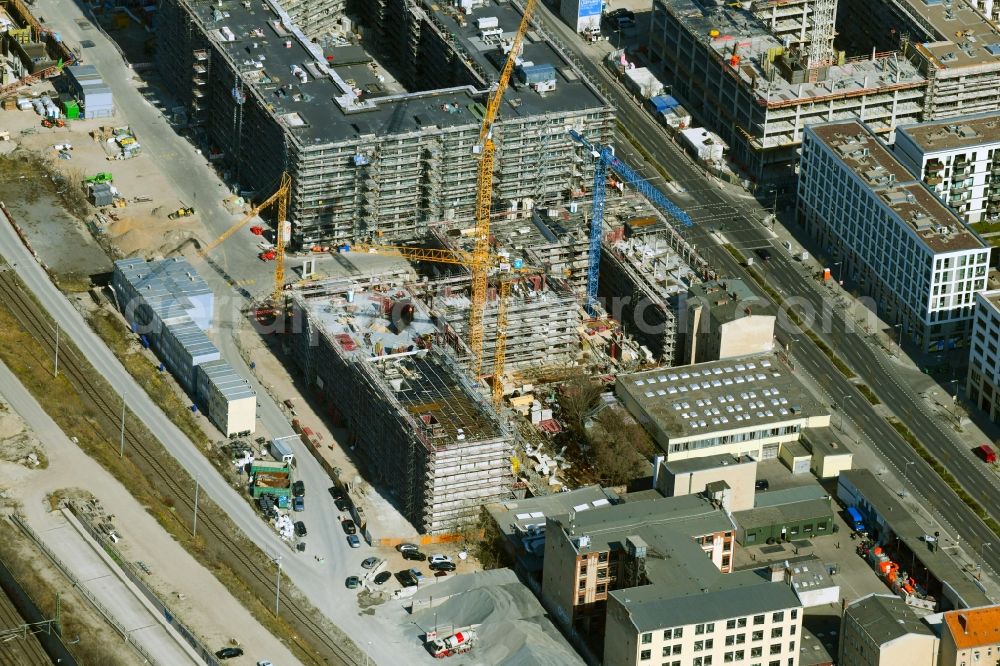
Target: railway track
36,322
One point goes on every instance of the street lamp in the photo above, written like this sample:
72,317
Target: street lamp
898,335
277,585
843,404
836,265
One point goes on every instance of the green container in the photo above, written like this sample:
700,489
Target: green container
71,109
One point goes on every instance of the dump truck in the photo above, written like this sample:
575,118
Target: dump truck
181,212
270,479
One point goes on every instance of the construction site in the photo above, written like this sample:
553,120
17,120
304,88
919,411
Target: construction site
376,147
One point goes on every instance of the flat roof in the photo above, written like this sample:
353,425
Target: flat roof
992,297
787,510
962,36
824,441
227,381
524,515
735,393
741,29
886,617
954,133
689,465
332,104
915,206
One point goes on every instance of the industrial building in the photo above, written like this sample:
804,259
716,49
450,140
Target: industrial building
377,360
171,307
958,160
883,630
983,383
745,406
734,476
801,512
377,151
891,236
725,318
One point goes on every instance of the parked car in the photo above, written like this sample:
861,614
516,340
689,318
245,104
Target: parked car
442,565
440,574
336,493
761,484
406,578
341,504
298,489
353,582
354,541
264,662
415,555
300,529
439,558
417,575
349,526
382,577
764,254
407,546
299,503
229,653
369,563
986,452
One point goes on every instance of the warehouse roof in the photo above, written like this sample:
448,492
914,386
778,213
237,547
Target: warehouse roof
328,106
695,401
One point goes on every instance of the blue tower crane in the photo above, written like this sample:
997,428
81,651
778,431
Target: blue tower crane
605,157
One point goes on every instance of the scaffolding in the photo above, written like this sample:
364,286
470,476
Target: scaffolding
377,360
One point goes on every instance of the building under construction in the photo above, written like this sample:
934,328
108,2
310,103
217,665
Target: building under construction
378,140
376,357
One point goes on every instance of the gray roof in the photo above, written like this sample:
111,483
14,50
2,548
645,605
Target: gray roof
229,383
688,465
739,594
746,392
824,441
519,516
886,617
324,108
727,299
790,505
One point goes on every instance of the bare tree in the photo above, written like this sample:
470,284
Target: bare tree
577,397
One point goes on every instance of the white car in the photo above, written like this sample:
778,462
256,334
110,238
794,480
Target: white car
438,558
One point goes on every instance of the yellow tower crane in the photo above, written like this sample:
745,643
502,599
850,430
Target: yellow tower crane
460,258
480,259
282,197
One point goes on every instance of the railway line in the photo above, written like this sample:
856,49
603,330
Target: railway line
36,322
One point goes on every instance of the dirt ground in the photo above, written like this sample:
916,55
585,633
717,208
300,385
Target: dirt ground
18,444
191,589
141,227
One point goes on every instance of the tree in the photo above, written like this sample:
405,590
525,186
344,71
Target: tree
577,397
615,448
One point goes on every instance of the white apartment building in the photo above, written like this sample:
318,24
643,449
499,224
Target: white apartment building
889,235
983,383
959,160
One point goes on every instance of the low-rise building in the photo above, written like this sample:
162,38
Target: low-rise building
694,475
725,318
744,406
970,636
882,630
958,159
890,235
170,307
785,515
830,456
983,381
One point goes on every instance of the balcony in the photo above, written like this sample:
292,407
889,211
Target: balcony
933,167
933,180
960,188
200,68
201,54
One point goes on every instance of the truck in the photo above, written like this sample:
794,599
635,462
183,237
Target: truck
986,452
855,520
457,643
282,450
271,479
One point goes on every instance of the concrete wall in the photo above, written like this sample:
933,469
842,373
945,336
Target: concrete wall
746,335
740,477
559,575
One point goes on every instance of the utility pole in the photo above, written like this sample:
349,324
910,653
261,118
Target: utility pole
56,370
277,587
197,486
121,441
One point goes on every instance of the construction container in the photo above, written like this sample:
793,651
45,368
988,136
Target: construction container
534,74
271,479
71,109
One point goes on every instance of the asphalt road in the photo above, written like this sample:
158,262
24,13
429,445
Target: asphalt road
716,209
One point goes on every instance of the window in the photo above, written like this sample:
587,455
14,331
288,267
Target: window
602,588
775,648
758,619
728,657
791,646
756,651
776,632
709,644
725,561
678,648
778,617
583,584
739,655
795,613
580,599
699,629
678,632
731,624
741,622
791,630
666,650
757,636
699,646
645,655
647,638
731,640
602,557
